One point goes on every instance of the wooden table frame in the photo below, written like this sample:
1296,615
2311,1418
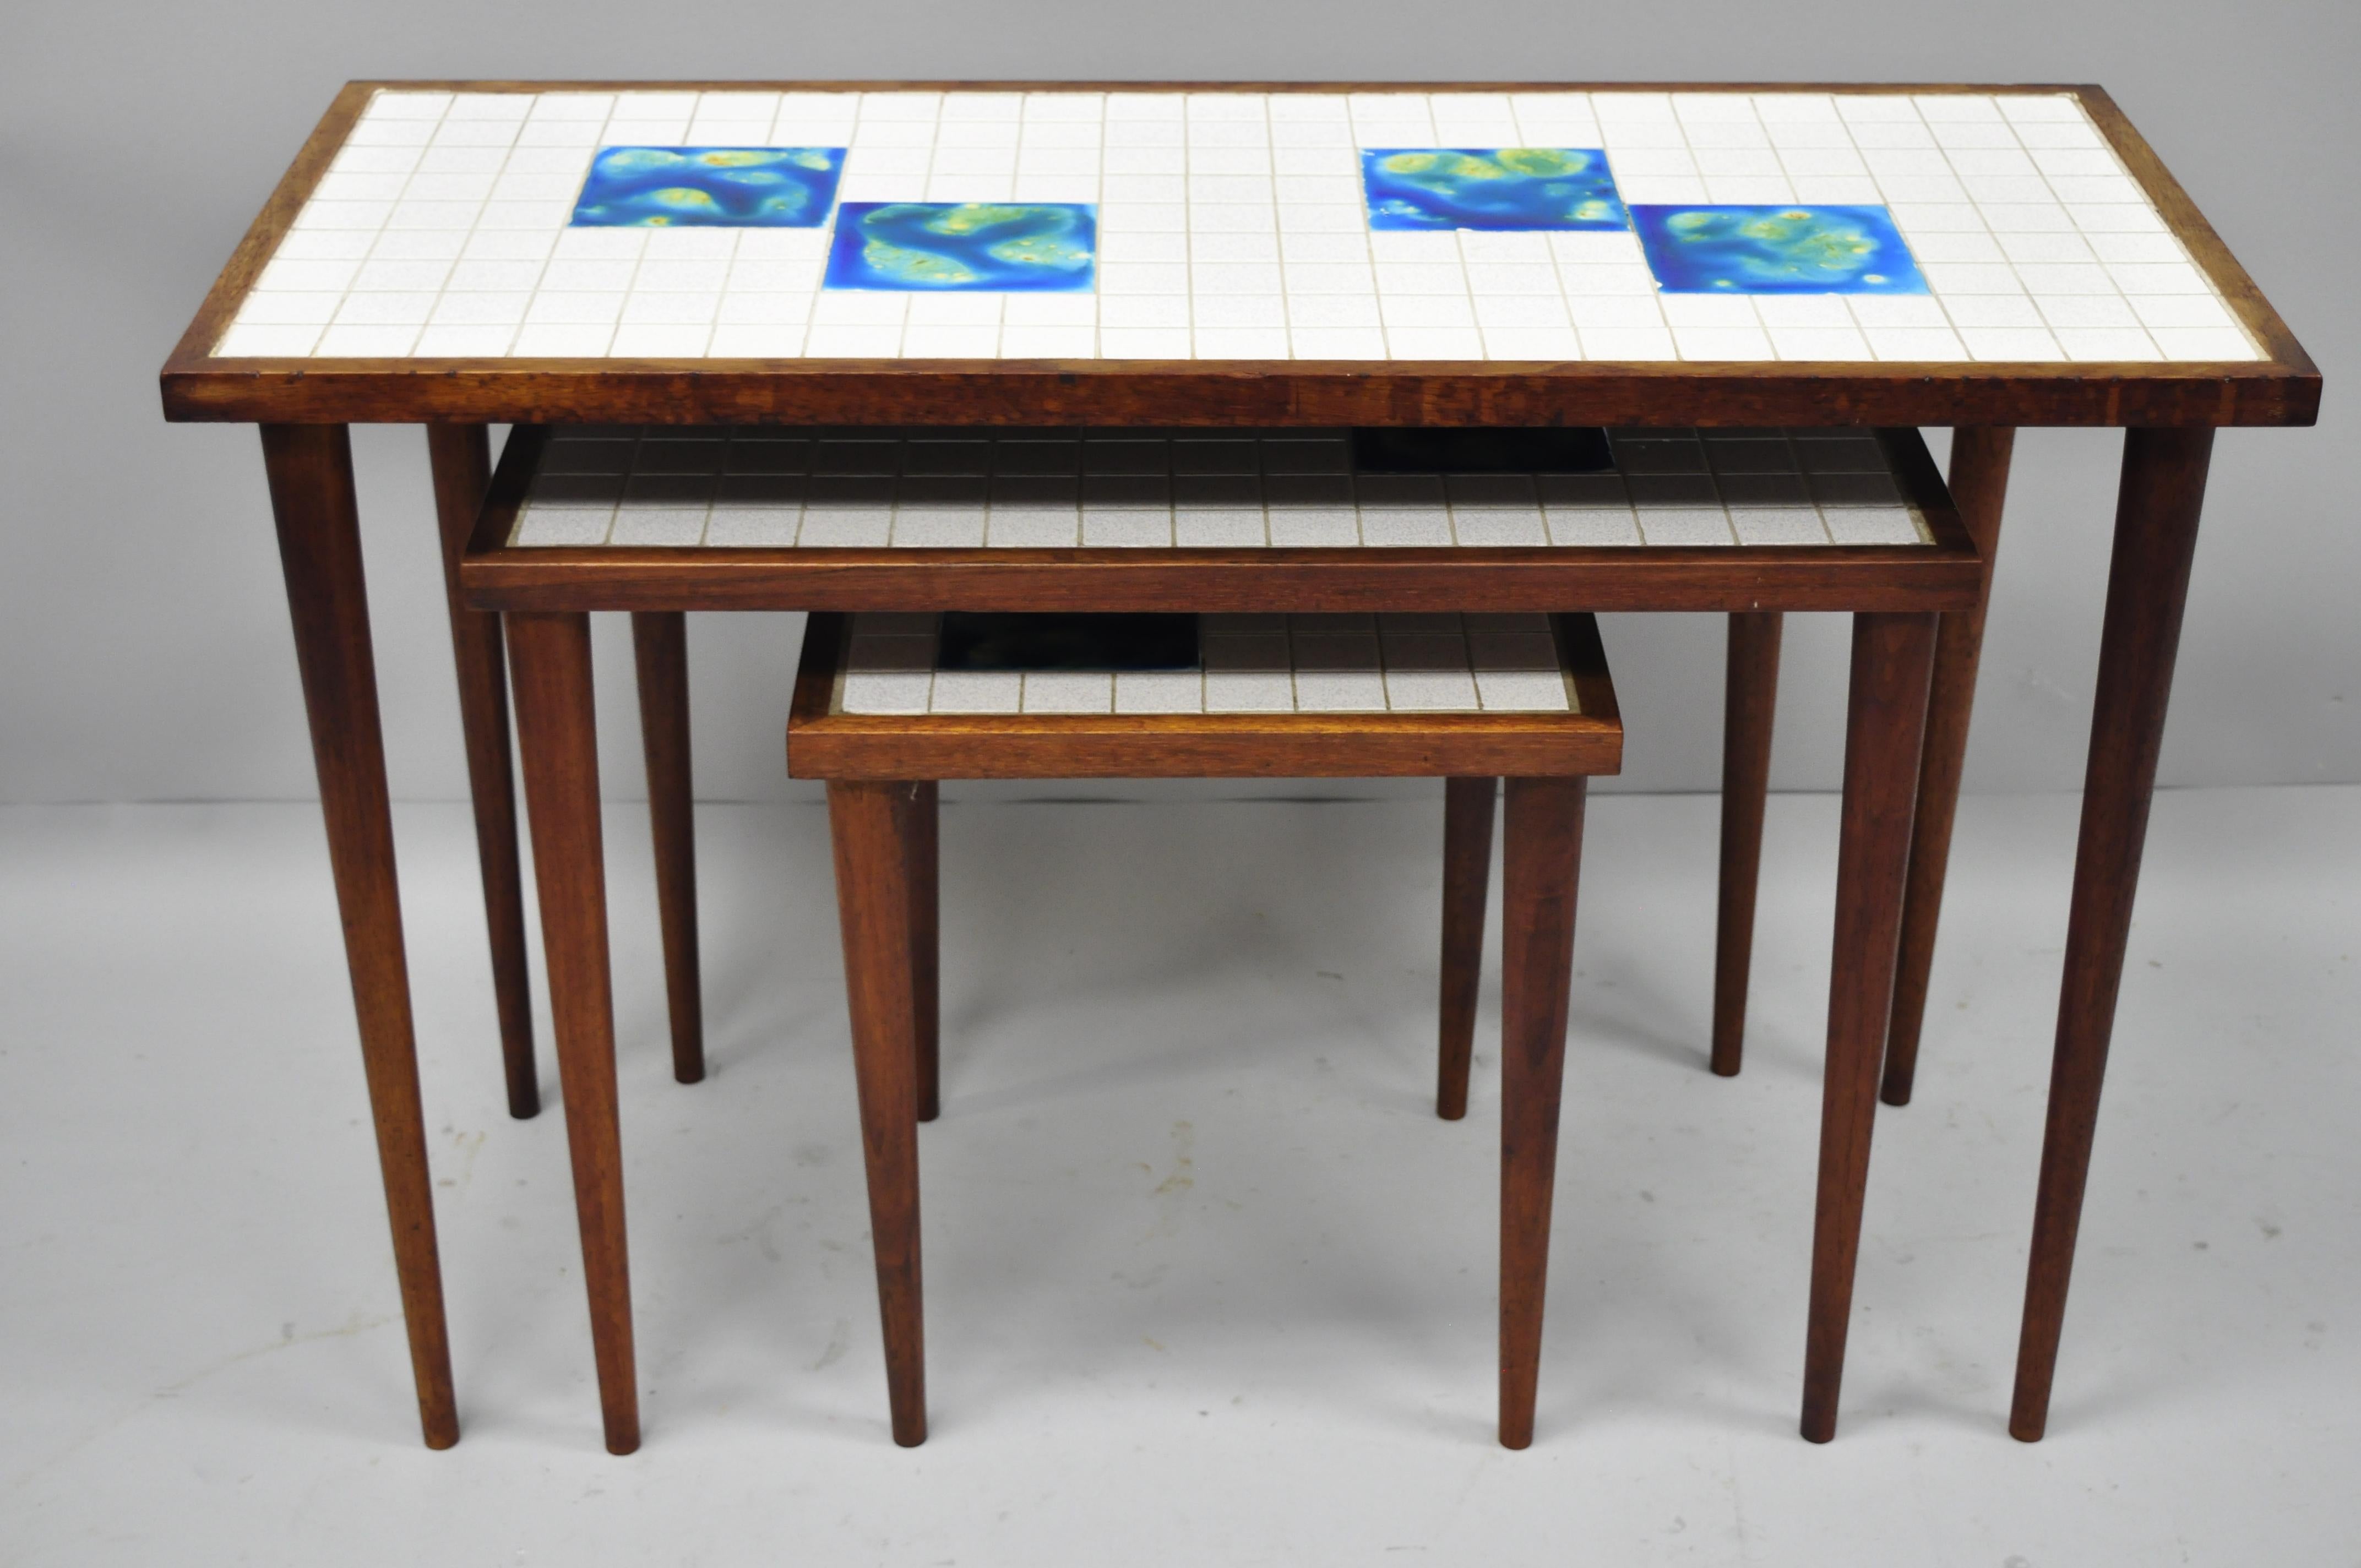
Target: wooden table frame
2171,410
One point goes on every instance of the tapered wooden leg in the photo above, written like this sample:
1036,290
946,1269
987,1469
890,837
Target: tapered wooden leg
1891,657
461,457
559,736
660,646
1466,869
870,825
1980,458
2156,534
310,475
1541,859
926,947
1751,698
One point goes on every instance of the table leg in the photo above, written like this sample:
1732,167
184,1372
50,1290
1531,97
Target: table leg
2163,490
312,499
660,646
1884,725
461,457
1466,869
925,946
1751,698
870,823
1541,859
1980,460
559,736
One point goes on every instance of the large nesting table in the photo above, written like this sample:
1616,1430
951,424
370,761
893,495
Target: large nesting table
1062,256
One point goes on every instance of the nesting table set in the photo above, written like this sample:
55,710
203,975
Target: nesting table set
1349,404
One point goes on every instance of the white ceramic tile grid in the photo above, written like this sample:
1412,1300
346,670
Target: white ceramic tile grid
873,488
1231,225
1250,663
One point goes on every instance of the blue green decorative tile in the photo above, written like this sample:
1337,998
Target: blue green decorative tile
982,246
734,187
1490,188
1791,250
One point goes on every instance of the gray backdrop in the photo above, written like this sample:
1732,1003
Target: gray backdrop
143,650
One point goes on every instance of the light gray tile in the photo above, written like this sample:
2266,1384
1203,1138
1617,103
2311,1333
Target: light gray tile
1127,530
846,527
674,526
1218,530
1498,528
1686,525
1249,691
1516,691
1020,527
1340,691
1160,691
1592,527
1430,691
889,693
1873,525
1069,691
1405,527
1778,526
977,691
753,527
939,526
1308,528
547,526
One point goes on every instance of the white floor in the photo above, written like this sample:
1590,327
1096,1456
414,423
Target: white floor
1208,1282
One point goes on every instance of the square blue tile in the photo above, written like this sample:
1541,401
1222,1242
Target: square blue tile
1789,249
730,187
1490,188
1001,248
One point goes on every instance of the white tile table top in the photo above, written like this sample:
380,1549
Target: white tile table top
1250,663
1231,225
871,488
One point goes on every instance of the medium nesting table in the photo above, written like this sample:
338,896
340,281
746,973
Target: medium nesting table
457,254
659,520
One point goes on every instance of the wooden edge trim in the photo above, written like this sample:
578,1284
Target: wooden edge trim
1923,486
824,743
512,481
1583,655
816,669
1156,85
263,235
1274,393
836,752
1900,578
2191,227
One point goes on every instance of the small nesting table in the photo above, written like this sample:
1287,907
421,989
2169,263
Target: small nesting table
445,254
1467,698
